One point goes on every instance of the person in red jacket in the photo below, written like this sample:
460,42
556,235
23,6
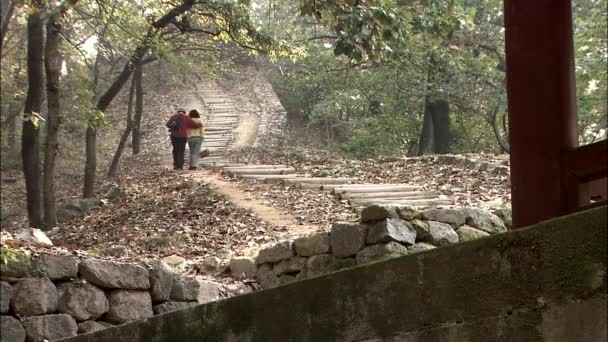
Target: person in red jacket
178,125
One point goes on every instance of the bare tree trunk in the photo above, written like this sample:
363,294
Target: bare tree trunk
30,143
90,167
426,143
11,123
8,8
441,125
435,133
139,104
125,135
52,62
504,145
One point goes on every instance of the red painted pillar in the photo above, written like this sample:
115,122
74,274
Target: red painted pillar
542,105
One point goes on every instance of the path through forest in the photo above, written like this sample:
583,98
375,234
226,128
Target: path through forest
216,103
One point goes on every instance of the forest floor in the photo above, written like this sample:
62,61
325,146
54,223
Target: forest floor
200,213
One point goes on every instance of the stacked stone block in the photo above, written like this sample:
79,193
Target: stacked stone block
53,297
384,232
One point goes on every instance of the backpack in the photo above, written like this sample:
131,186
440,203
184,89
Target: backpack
173,124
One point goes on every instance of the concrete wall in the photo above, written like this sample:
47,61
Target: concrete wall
543,283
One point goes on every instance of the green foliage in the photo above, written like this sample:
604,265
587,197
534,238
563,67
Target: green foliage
8,254
591,54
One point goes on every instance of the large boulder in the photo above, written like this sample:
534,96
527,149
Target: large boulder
378,212
34,296
11,330
483,220
171,306
211,265
442,234
320,264
129,305
161,280
312,245
506,215
50,327
280,251
114,275
243,267
76,207
451,216
295,264
466,233
347,238
266,277
58,267
380,252
176,262
194,289
392,230
422,230
83,301
34,236
90,326
6,293
19,267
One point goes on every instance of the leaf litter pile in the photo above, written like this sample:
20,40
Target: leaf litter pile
159,215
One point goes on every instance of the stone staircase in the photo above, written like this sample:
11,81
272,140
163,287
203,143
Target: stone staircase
221,118
358,195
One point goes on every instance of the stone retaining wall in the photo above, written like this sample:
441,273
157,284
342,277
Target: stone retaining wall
384,232
52,297
544,283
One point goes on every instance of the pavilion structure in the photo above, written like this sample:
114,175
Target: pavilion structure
551,174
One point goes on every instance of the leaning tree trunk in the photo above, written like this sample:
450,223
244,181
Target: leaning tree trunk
52,62
125,135
139,104
30,143
105,99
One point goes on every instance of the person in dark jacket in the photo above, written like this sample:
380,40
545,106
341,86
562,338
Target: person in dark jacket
178,125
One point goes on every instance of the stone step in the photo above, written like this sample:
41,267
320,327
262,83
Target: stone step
259,166
246,171
319,180
216,140
212,135
380,195
367,188
217,101
412,197
221,122
215,166
266,178
412,202
218,129
220,119
219,104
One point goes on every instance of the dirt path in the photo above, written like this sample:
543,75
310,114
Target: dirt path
246,200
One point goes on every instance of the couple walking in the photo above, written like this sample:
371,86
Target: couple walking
186,128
